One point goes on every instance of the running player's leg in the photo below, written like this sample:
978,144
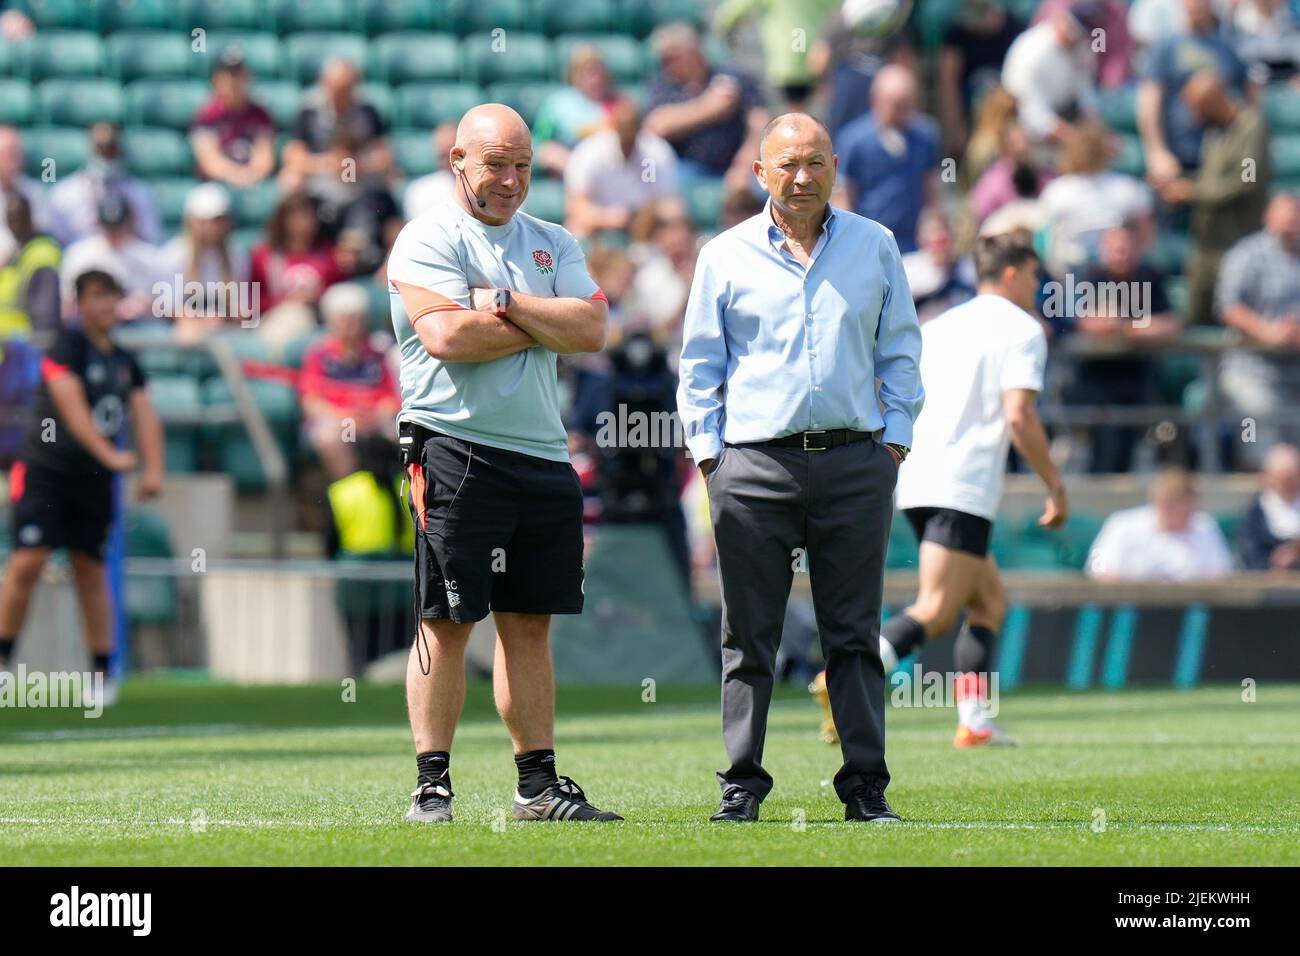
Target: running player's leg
21,574
91,580
973,658
948,580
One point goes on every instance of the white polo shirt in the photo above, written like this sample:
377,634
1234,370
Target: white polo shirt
970,356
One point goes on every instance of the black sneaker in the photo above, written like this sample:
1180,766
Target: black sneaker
562,800
431,802
738,806
868,803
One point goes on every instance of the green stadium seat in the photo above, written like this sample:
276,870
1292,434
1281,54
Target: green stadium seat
642,16
704,203
245,239
1169,251
178,401
16,102
546,200
400,58
575,16
229,14
154,151
430,104
525,97
169,103
149,599
413,150
233,449
262,53
65,145
117,15
59,14
1118,109
281,98
519,56
390,16
60,53
312,16
1286,155
170,193
624,56
1289,185
77,102
381,97
306,53
295,351
1282,107
7,57
1131,159
149,53
473,16
253,205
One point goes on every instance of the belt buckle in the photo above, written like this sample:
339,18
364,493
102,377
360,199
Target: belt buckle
807,447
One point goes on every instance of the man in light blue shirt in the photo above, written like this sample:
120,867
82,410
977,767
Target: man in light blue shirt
794,316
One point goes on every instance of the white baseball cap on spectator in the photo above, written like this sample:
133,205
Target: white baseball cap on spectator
208,201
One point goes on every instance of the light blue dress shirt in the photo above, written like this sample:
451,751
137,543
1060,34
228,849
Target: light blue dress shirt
771,348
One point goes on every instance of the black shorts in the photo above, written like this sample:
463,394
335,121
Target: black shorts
53,509
951,529
497,531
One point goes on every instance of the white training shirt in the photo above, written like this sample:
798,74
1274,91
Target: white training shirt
1132,546
970,356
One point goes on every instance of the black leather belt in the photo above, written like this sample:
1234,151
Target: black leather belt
819,440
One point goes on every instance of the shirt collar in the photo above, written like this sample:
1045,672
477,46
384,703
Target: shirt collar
776,237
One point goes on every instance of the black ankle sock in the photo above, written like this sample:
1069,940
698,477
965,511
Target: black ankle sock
536,771
905,633
973,651
434,766
101,663
7,648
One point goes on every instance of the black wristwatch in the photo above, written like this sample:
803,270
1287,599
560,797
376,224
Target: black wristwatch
902,450
502,304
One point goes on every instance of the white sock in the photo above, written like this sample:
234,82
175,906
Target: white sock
970,713
888,656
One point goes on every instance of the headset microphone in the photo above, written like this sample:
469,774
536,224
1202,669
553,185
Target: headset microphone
464,181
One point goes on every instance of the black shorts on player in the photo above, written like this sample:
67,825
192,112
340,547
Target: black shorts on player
955,530
52,509
496,530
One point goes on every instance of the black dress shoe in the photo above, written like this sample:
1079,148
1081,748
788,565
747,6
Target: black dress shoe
868,803
738,806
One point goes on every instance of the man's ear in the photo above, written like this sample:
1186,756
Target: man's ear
759,172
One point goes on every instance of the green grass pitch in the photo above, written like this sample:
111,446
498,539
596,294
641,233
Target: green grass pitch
197,773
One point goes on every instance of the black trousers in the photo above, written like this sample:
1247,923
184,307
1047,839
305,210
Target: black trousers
775,511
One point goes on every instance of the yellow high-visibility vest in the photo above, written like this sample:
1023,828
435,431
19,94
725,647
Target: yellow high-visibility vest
38,253
363,515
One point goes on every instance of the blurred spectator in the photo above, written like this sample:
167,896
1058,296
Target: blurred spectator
1259,295
13,180
1087,199
29,278
75,199
970,65
846,62
1269,535
889,158
1171,133
1051,71
233,138
347,390
739,205
1125,304
712,117
340,154
614,173
15,26
571,114
1227,205
998,165
937,277
1266,35
436,187
1115,59
665,268
200,262
117,249
780,22
294,266
1166,540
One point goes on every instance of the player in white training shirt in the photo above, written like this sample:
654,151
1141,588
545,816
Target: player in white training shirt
982,365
